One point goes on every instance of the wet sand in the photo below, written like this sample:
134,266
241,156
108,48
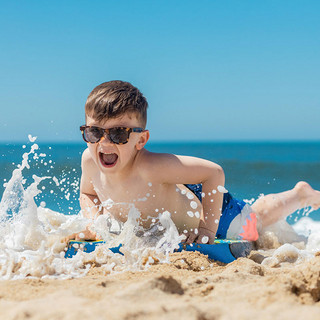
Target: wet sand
190,287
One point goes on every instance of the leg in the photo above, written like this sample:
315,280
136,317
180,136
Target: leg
274,207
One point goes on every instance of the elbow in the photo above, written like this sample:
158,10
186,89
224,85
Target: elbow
218,175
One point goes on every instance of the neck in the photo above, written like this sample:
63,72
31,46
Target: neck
126,172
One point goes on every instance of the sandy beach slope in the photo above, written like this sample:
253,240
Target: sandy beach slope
191,287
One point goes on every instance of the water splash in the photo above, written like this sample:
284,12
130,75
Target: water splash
32,236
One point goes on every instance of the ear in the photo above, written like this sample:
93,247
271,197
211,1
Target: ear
143,139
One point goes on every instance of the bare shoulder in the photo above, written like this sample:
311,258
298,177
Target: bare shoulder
87,163
149,160
153,165
88,168
170,168
164,160
86,157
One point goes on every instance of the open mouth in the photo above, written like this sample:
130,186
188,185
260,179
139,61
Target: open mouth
108,160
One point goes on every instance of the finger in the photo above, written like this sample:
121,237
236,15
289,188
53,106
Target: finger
191,238
68,238
83,235
203,239
90,235
77,237
94,236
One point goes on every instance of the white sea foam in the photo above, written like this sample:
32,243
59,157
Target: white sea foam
298,242
32,236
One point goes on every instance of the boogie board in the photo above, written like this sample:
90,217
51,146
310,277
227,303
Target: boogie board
222,250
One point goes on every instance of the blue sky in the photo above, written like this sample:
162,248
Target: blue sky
211,70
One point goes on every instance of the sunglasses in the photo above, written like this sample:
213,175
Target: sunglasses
118,135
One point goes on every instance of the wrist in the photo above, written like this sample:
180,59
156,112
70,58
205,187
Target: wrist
207,226
206,229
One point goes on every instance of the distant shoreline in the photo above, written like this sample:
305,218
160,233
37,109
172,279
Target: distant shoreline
182,142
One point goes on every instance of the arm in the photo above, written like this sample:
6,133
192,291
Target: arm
212,206
89,201
189,170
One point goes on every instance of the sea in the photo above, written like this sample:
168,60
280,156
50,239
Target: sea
252,169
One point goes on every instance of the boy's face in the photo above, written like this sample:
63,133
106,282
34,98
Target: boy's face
111,157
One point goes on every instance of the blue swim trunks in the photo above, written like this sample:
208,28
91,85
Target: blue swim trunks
237,220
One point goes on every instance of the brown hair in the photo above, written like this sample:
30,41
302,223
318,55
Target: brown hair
113,99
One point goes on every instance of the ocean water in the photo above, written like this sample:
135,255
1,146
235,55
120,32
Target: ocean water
251,168
40,207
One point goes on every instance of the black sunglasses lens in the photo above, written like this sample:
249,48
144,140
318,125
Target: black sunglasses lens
119,135
93,134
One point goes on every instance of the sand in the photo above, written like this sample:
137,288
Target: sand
190,287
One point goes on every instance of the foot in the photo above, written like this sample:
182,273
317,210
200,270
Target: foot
308,196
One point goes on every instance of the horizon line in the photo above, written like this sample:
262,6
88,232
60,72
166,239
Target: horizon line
19,142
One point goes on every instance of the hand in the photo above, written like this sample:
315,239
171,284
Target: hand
81,236
204,236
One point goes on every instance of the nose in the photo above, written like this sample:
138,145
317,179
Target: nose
105,139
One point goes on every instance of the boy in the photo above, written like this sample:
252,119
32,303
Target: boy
117,166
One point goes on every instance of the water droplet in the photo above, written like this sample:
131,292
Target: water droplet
193,205
222,189
190,214
205,239
190,195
